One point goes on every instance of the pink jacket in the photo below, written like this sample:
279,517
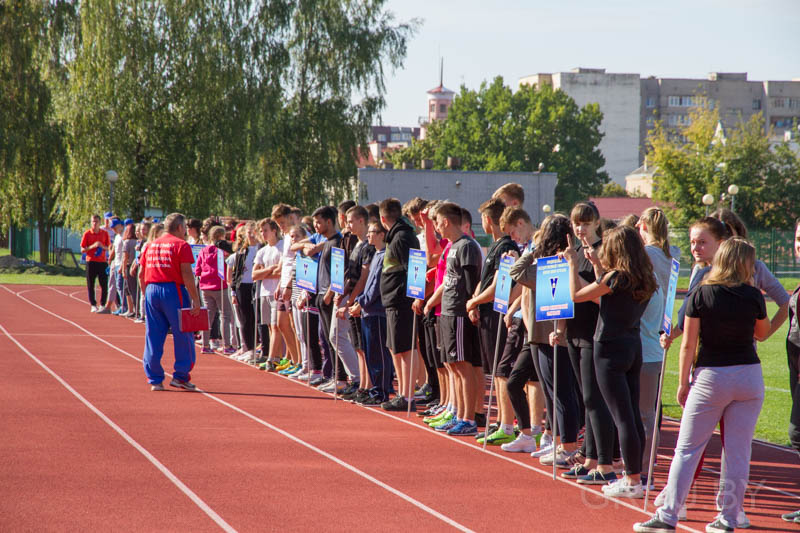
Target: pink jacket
205,270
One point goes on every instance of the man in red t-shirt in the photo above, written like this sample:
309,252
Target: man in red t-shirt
94,244
167,267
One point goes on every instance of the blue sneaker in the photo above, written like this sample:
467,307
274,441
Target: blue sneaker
448,426
463,429
594,477
117,312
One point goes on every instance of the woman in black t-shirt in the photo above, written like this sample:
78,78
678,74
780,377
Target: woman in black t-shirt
793,356
625,282
723,316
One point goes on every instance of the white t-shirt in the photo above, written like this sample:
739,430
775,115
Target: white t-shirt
288,257
269,256
119,247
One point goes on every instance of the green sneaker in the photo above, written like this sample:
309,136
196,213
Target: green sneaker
434,418
497,438
448,416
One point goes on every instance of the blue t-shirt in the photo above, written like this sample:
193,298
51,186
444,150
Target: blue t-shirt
525,249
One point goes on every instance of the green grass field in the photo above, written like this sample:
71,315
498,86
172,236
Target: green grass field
774,419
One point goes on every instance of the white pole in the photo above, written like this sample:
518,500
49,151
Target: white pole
491,383
411,371
335,347
653,443
553,415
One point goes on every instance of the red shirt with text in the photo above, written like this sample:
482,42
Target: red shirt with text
163,257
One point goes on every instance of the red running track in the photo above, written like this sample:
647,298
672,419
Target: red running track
85,444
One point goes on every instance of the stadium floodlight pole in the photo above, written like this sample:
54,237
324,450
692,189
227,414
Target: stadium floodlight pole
111,177
491,383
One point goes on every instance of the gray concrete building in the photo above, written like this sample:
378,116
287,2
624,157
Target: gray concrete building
467,189
618,96
631,105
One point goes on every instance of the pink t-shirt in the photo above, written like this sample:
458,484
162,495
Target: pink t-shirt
206,272
441,269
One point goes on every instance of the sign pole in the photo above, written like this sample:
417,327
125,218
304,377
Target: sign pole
415,288
491,383
666,325
337,287
256,309
335,348
554,414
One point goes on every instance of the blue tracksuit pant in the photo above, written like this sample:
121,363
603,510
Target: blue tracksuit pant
161,306
379,359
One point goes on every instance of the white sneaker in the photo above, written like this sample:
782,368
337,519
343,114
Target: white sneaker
742,521
543,450
246,356
562,457
301,376
522,443
622,489
93,309
545,440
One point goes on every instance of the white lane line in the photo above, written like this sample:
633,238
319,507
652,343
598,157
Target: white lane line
278,430
20,334
138,447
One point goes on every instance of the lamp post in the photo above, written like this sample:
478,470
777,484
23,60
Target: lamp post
733,190
546,209
708,199
111,177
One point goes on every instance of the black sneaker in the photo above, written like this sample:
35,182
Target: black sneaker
349,395
398,404
316,382
492,428
372,402
654,525
424,393
480,420
361,397
718,526
430,410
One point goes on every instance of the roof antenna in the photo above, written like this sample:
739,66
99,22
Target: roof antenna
441,72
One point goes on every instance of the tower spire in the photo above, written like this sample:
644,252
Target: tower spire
441,72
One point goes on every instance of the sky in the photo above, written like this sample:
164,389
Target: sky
479,40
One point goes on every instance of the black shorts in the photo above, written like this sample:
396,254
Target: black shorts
488,336
399,326
460,341
432,340
516,339
355,333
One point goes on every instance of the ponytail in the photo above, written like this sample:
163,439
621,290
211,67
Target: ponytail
657,228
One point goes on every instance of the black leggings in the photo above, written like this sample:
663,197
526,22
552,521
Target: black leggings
247,315
793,353
312,341
566,407
95,270
618,364
524,372
600,438
427,358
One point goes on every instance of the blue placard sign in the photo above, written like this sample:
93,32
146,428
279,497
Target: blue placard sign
417,268
666,324
196,249
306,273
220,264
553,300
502,291
337,270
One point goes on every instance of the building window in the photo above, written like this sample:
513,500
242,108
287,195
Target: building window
687,101
433,108
442,108
672,120
674,101
381,137
756,104
651,102
777,102
651,122
793,103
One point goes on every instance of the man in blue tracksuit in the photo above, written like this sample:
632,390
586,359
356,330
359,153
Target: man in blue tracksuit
167,264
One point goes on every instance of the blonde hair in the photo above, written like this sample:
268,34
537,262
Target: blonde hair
623,252
734,263
241,236
155,232
657,227
217,233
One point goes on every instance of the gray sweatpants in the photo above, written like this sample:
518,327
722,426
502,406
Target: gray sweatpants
218,301
340,337
734,394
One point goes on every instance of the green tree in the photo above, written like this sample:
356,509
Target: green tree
699,160
33,157
614,190
495,129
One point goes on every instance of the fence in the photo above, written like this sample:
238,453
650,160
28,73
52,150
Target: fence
24,243
773,246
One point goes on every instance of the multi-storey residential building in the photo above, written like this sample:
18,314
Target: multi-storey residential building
618,96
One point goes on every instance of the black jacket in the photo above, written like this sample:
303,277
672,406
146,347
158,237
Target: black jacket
399,241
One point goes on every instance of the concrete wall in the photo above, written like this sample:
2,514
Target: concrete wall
467,189
619,97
